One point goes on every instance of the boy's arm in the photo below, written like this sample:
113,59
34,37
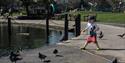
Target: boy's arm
82,31
87,26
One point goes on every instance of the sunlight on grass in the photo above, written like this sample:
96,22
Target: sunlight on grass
106,16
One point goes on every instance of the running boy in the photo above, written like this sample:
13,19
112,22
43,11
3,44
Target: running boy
92,28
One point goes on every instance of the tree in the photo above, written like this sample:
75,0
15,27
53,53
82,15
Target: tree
104,5
26,4
6,6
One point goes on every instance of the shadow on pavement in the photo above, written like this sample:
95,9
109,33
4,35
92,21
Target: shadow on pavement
111,49
78,39
103,39
104,49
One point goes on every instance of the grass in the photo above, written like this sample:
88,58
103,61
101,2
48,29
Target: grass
107,17
111,17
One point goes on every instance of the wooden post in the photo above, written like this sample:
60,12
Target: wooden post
47,27
77,25
66,27
9,32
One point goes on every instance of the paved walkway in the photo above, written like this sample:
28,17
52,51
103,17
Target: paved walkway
58,24
112,45
67,55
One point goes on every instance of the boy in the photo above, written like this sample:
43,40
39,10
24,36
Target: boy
92,28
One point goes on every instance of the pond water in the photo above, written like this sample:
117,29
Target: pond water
28,37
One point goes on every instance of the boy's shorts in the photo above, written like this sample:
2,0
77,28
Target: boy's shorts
91,39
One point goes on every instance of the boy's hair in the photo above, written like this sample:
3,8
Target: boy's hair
91,18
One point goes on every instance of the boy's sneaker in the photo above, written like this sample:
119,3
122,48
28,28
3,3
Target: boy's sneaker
98,49
82,48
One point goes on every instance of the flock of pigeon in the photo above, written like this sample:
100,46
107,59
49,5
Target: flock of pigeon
16,56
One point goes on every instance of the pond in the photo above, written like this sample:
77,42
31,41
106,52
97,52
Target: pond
28,37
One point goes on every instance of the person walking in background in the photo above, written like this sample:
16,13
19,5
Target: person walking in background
92,28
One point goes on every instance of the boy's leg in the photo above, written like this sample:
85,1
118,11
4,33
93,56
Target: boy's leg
86,43
97,45
96,42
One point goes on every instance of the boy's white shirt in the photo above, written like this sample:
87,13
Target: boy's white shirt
90,25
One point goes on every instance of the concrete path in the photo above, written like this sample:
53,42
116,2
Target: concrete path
67,55
111,44
58,24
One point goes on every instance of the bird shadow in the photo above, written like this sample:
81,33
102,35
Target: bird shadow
59,55
47,61
122,38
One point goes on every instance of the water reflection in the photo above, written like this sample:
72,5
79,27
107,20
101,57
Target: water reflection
27,37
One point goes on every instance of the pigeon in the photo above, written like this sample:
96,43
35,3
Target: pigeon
55,52
101,35
121,35
42,56
14,57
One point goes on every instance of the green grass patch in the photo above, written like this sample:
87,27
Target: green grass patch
111,17
107,17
